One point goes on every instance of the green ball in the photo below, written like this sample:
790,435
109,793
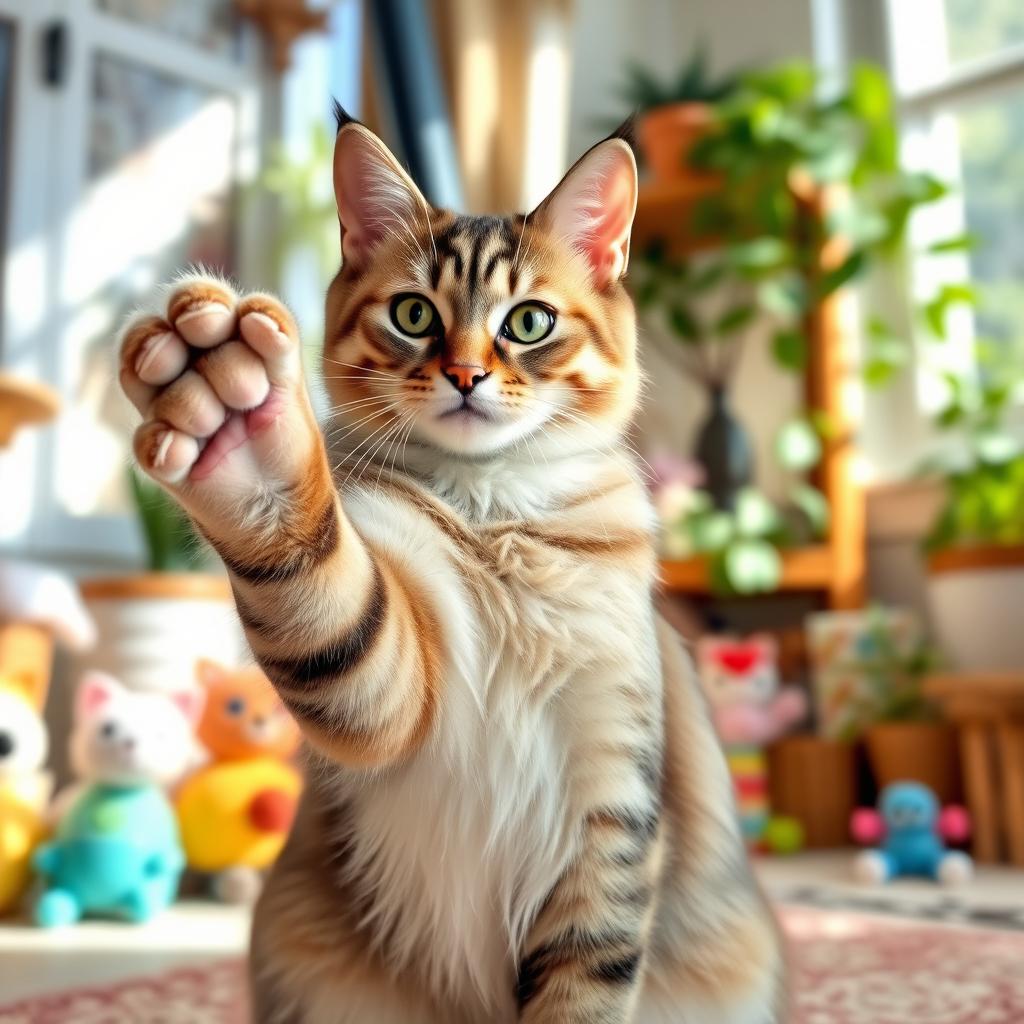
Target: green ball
784,835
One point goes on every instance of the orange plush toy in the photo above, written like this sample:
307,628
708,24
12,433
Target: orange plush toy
235,812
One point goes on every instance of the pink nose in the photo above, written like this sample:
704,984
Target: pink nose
464,378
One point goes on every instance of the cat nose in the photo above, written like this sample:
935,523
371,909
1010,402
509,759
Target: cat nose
464,377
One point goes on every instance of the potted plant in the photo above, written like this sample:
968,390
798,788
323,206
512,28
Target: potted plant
812,199
674,115
904,733
153,626
975,551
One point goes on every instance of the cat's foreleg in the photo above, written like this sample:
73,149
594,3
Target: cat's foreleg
229,431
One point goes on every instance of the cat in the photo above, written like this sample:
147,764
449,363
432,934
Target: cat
515,806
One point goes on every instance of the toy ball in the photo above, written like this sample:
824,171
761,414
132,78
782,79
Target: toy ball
784,835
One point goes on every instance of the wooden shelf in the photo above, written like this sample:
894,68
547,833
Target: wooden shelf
803,569
664,211
23,402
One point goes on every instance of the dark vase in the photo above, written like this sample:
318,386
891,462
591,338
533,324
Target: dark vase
723,449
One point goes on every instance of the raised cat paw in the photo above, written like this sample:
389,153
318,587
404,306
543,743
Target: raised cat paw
218,381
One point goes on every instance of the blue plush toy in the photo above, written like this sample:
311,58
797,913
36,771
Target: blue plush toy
911,833
117,852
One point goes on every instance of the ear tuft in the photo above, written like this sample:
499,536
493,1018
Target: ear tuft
341,116
376,198
592,208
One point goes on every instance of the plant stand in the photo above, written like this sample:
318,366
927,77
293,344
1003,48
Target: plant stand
989,712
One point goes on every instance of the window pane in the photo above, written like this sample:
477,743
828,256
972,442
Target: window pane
211,24
992,155
160,169
6,99
977,28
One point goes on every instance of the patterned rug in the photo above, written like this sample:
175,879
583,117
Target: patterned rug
849,968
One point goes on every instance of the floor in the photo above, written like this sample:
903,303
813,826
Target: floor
34,962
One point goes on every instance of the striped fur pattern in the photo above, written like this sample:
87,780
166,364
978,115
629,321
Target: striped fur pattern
515,807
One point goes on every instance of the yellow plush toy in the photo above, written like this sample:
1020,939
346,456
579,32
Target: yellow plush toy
236,811
25,788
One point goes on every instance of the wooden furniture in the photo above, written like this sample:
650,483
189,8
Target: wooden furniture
836,569
23,402
814,780
988,710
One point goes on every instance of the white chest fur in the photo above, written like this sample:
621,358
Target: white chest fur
459,848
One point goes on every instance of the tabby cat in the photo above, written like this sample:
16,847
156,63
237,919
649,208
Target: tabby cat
515,807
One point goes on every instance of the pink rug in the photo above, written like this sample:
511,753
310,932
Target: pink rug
849,968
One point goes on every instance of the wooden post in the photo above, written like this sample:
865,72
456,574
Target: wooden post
1011,762
829,363
979,783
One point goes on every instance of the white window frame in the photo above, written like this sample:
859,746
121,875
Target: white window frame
897,431
48,174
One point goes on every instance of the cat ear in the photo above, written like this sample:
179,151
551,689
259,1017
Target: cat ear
190,703
592,207
375,196
95,691
209,673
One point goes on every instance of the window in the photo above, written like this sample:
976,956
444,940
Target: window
102,210
958,72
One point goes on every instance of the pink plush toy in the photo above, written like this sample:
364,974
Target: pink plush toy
749,710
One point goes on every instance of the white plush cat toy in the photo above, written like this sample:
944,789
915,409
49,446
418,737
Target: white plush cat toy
117,850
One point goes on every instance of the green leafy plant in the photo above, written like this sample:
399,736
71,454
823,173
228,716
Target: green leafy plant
742,544
892,668
642,90
811,199
171,541
982,467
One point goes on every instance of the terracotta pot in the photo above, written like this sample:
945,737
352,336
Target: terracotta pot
814,780
975,595
923,752
668,133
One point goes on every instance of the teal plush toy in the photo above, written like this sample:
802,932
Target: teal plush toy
116,852
909,832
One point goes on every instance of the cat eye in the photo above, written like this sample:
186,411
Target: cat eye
414,315
529,323
235,706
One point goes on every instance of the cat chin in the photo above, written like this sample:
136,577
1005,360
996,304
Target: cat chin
463,434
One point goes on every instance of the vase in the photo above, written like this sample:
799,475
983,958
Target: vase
724,450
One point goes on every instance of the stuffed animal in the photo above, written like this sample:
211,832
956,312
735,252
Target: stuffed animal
236,811
911,833
749,710
117,852
25,788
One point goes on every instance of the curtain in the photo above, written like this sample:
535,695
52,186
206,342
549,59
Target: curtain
506,68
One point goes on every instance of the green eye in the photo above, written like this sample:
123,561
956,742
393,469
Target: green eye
529,323
414,315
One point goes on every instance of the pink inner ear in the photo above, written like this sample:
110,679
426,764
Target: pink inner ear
191,703
95,690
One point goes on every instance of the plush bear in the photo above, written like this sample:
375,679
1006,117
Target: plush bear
911,833
117,852
25,788
235,812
